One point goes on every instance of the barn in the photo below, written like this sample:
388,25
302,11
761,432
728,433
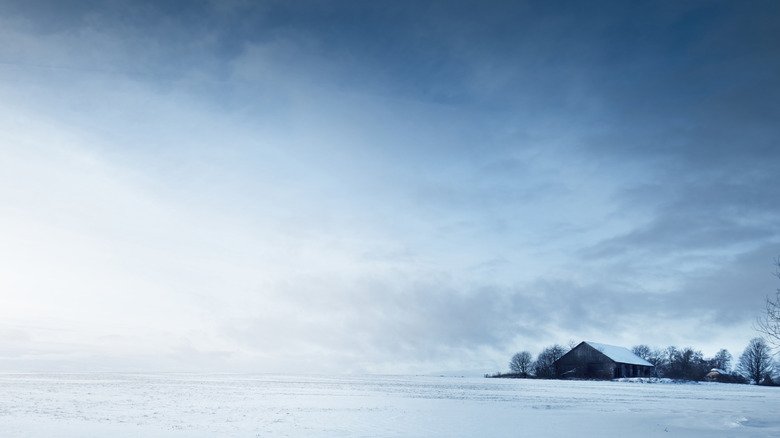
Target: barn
591,360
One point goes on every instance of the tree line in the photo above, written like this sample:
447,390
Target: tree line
756,364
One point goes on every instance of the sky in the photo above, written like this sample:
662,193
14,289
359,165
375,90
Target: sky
382,187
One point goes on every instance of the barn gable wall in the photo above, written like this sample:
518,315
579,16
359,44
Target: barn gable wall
584,361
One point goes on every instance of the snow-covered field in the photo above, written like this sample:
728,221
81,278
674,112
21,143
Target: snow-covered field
215,405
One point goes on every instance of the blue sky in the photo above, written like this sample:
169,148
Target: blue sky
369,187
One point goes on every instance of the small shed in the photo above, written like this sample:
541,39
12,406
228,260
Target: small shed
591,360
717,375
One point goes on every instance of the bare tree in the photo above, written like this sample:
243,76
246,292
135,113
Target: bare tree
545,362
689,363
722,360
665,359
656,358
521,363
756,361
769,322
642,351
652,355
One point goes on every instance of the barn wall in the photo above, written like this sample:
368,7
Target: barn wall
585,362
629,370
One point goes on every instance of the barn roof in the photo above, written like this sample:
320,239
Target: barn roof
619,354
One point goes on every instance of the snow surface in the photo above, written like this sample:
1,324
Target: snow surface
619,354
209,405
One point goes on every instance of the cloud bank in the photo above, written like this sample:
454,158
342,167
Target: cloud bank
381,188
